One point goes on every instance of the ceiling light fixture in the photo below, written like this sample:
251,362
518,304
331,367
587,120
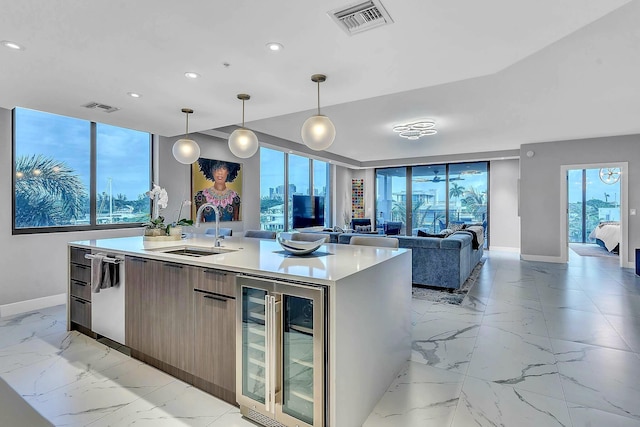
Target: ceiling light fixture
275,46
134,95
11,45
318,132
191,75
243,143
415,130
186,150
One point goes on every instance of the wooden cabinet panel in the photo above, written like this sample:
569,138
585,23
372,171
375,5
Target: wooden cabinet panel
81,273
138,304
158,312
80,312
216,281
80,289
174,314
77,256
215,329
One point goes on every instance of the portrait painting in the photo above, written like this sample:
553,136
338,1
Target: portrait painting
219,183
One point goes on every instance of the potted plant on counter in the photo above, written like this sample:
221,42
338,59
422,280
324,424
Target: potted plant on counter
175,228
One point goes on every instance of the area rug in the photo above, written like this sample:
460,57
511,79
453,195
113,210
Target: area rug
453,296
585,249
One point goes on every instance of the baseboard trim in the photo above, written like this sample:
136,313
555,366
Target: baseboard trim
32,304
542,258
504,249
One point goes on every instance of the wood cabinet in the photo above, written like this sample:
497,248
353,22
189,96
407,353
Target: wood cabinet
79,290
215,333
158,311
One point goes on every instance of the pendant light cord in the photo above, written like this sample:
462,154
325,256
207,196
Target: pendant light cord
187,130
318,97
243,113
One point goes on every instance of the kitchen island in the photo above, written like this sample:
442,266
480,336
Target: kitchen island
365,319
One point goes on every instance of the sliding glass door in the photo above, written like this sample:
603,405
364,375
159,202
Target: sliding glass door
433,198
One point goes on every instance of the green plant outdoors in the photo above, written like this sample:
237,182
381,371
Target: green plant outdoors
47,193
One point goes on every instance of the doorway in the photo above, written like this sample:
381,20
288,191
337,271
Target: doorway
594,210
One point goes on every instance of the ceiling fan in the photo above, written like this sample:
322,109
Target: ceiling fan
438,178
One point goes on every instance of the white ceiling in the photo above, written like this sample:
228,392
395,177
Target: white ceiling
493,74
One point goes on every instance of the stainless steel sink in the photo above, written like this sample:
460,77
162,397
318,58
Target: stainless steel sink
194,251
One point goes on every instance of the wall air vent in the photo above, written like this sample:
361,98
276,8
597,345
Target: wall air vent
360,17
100,106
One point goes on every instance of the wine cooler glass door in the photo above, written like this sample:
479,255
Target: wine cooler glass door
302,359
254,344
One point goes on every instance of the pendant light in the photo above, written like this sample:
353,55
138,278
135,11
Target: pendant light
243,143
318,132
186,150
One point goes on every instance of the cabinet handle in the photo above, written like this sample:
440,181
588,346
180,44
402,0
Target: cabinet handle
79,283
84,267
207,296
216,272
80,301
172,265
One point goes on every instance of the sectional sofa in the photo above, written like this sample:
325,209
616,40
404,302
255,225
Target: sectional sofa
440,262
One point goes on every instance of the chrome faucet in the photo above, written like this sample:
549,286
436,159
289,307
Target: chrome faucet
217,212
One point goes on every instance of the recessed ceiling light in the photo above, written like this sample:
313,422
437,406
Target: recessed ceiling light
134,95
274,46
11,45
191,75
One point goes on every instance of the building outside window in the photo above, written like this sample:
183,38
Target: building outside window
57,185
284,175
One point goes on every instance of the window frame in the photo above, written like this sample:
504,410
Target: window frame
93,160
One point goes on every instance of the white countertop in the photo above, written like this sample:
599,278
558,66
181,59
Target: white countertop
330,263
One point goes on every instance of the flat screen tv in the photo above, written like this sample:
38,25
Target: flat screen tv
308,211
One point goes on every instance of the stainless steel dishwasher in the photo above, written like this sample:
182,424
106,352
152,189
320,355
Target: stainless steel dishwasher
107,306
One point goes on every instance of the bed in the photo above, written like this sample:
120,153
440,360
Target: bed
607,235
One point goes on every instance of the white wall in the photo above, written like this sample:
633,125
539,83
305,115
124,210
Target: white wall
342,194
504,225
540,177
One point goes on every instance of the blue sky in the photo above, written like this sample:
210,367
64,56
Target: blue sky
123,154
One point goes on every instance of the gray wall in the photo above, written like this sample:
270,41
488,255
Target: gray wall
504,221
540,178
176,179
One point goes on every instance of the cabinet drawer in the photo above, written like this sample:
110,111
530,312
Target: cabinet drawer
80,312
81,273
77,256
216,281
80,289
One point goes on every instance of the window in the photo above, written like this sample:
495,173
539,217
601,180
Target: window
437,197
591,201
57,185
284,175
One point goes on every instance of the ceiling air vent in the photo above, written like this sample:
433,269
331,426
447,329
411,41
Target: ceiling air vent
99,106
361,17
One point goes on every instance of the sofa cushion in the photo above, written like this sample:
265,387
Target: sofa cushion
363,229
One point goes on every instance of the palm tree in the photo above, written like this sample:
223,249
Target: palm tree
456,191
47,192
474,201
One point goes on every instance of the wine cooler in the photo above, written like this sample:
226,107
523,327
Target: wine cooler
281,342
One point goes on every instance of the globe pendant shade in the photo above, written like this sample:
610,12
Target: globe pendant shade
318,132
186,151
243,143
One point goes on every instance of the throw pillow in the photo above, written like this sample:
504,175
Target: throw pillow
456,227
363,229
425,234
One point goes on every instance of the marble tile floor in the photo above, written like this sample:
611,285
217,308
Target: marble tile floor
533,344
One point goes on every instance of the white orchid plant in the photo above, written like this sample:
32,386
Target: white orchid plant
160,199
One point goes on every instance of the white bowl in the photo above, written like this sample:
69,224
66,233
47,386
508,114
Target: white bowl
299,247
